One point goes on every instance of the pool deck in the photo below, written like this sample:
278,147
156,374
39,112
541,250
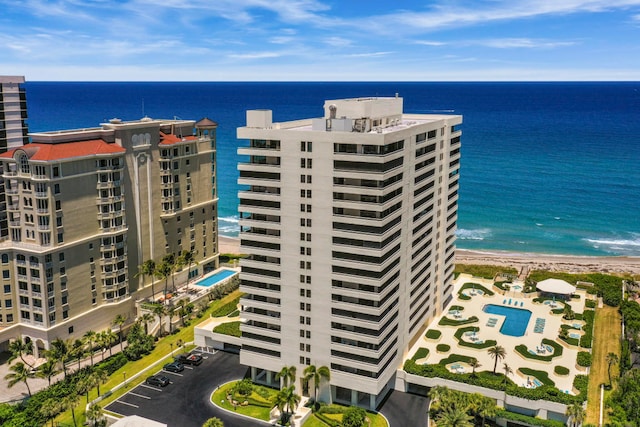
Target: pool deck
532,337
194,282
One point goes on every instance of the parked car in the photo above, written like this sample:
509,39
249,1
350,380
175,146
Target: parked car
174,367
158,380
189,359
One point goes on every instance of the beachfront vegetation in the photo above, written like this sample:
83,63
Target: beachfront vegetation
607,286
484,271
433,334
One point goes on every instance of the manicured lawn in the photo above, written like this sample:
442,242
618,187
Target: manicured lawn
606,339
228,328
376,420
219,398
162,348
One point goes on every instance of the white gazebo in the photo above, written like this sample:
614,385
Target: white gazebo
556,287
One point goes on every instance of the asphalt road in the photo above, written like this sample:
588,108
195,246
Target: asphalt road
185,402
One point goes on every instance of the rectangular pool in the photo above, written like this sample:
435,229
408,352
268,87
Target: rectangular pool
216,278
516,319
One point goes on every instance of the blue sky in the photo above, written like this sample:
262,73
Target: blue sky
311,40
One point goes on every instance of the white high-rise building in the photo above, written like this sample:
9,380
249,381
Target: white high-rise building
349,221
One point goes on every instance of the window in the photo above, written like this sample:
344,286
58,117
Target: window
309,146
5,274
64,299
7,289
61,256
303,163
56,189
309,208
301,333
58,205
5,258
56,171
303,178
60,238
9,318
59,221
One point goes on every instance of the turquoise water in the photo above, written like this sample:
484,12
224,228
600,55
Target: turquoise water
215,278
516,319
545,167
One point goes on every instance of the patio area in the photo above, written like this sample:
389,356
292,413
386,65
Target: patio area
482,315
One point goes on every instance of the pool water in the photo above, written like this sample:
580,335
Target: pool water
215,278
516,319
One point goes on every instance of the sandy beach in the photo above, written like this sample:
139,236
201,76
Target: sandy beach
534,261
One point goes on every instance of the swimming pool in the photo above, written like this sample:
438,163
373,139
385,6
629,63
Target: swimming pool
516,319
215,278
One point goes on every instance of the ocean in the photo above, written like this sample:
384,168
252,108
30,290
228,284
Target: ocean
546,167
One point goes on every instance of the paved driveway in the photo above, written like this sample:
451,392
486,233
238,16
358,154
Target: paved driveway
185,402
404,409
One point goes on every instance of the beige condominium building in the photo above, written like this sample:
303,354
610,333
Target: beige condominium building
349,221
86,207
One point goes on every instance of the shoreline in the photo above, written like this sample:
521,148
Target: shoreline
532,260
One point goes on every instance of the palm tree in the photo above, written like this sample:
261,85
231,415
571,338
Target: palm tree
60,351
172,262
20,348
159,310
437,394
287,375
119,321
287,399
147,268
497,353
187,258
70,401
576,414
612,359
78,351
507,371
454,416
213,422
90,337
19,373
51,408
48,370
163,271
86,382
145,319
317,375
94,413
486,407
171,311
474,365
101,377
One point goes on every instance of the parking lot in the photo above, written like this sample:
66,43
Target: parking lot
185,401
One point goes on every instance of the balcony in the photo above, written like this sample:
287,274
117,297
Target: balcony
13,207
41,194
14,223
44,227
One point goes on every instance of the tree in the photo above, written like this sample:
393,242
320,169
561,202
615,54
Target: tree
90,337
287,375
171,311
172,263
474,365
354,417
94,414
576,414
187,258
51,408
311,373
162,272
287,401
119,321
507,371
48,370
612,359
147,268
20,373
454,416
213,422
85,384
60,351
77,350
146,319
159,310
70,401
20,348
108,337
101,377
497,353
485,407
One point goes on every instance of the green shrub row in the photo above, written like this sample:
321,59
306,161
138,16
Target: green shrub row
502,285
453,358
512,416
456,307
561,370
496,382
445,321
433,334
590,303
329,421
461,331
470,285
584,359
421,353
541,375
112,363
557,351
586,340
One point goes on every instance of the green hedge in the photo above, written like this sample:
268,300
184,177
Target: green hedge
433,334
421,353
229,328
590,303
584,359
443,348
503,285
456,307
461,331
561,370
445,321
496,382
557,351
453,358
512,416
541,375
226,309
470,285
587,339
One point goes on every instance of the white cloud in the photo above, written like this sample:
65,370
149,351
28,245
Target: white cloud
255,55
368,55
510,43
336,41
429,43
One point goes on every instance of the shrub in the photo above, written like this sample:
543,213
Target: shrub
443,348
557,351
561,370
421,353
138,343
456,307
433,334
505,286
354,417
113,363
587,339
584,359
541,375
244,387
512,416
229,328
445,321
470,285
590,303
461,331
